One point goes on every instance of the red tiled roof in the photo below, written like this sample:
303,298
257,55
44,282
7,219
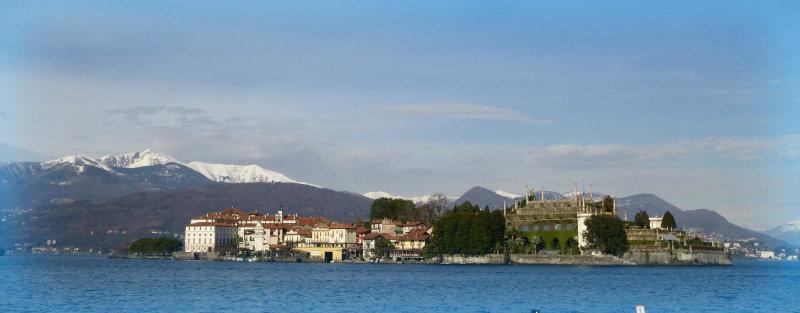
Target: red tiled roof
212,224
414,236
372,236
341,226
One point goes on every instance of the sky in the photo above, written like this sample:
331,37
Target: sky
696,103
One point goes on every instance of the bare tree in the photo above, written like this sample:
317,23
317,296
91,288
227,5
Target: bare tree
439,203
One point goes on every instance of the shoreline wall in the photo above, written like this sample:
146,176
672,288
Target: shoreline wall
540,259
679,257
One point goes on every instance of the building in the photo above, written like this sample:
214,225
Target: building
766,254
557,226
260,236
331,242
210,237
384,226
368,243
655,222
233,229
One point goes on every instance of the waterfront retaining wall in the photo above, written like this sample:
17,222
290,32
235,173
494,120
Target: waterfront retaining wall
545,259
567,259
678,257
484,259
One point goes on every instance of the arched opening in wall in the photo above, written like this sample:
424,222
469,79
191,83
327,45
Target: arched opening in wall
539,242
572,245
554,244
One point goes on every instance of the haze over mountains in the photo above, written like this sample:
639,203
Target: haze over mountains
84,201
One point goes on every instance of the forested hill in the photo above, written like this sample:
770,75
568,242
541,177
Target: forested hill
100,223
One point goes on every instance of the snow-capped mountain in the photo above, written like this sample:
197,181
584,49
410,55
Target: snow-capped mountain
506,194
790,227
78,161
789,232
596,196
215,172
239,173
136,159
383,194
380,194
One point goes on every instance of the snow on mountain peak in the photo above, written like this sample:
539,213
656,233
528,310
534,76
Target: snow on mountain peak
78,161
790,227
507,194
137,159
383,194
239,173
380,194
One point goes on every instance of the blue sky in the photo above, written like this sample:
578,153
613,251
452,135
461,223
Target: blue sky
697,103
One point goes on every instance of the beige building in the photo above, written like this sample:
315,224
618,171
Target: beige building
384,226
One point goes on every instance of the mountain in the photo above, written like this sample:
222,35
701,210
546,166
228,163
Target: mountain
595,196
789,232
101,223
79,162
550,195
483,197
136,159
509,195
165,176
239,173
29,185
381,194
704,221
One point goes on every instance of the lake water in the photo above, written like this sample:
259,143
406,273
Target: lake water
48,283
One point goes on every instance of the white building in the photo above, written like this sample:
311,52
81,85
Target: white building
766,254
655,222
259,236
209,237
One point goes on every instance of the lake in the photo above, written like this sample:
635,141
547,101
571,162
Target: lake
53,283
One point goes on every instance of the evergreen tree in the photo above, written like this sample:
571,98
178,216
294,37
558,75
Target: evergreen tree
467,230
608,204
606,232
642,220
668,221
157,246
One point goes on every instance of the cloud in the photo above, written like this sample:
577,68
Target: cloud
459,110
80,137
150,114
575,155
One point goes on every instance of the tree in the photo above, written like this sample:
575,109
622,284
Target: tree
668,221
157,246
607,233
467,230
383,247
608,204
642,220
395,209
439,203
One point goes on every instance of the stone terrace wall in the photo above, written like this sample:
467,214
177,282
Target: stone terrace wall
567,259
485,259
678,257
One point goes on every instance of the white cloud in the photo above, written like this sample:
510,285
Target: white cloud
566,155
460,110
